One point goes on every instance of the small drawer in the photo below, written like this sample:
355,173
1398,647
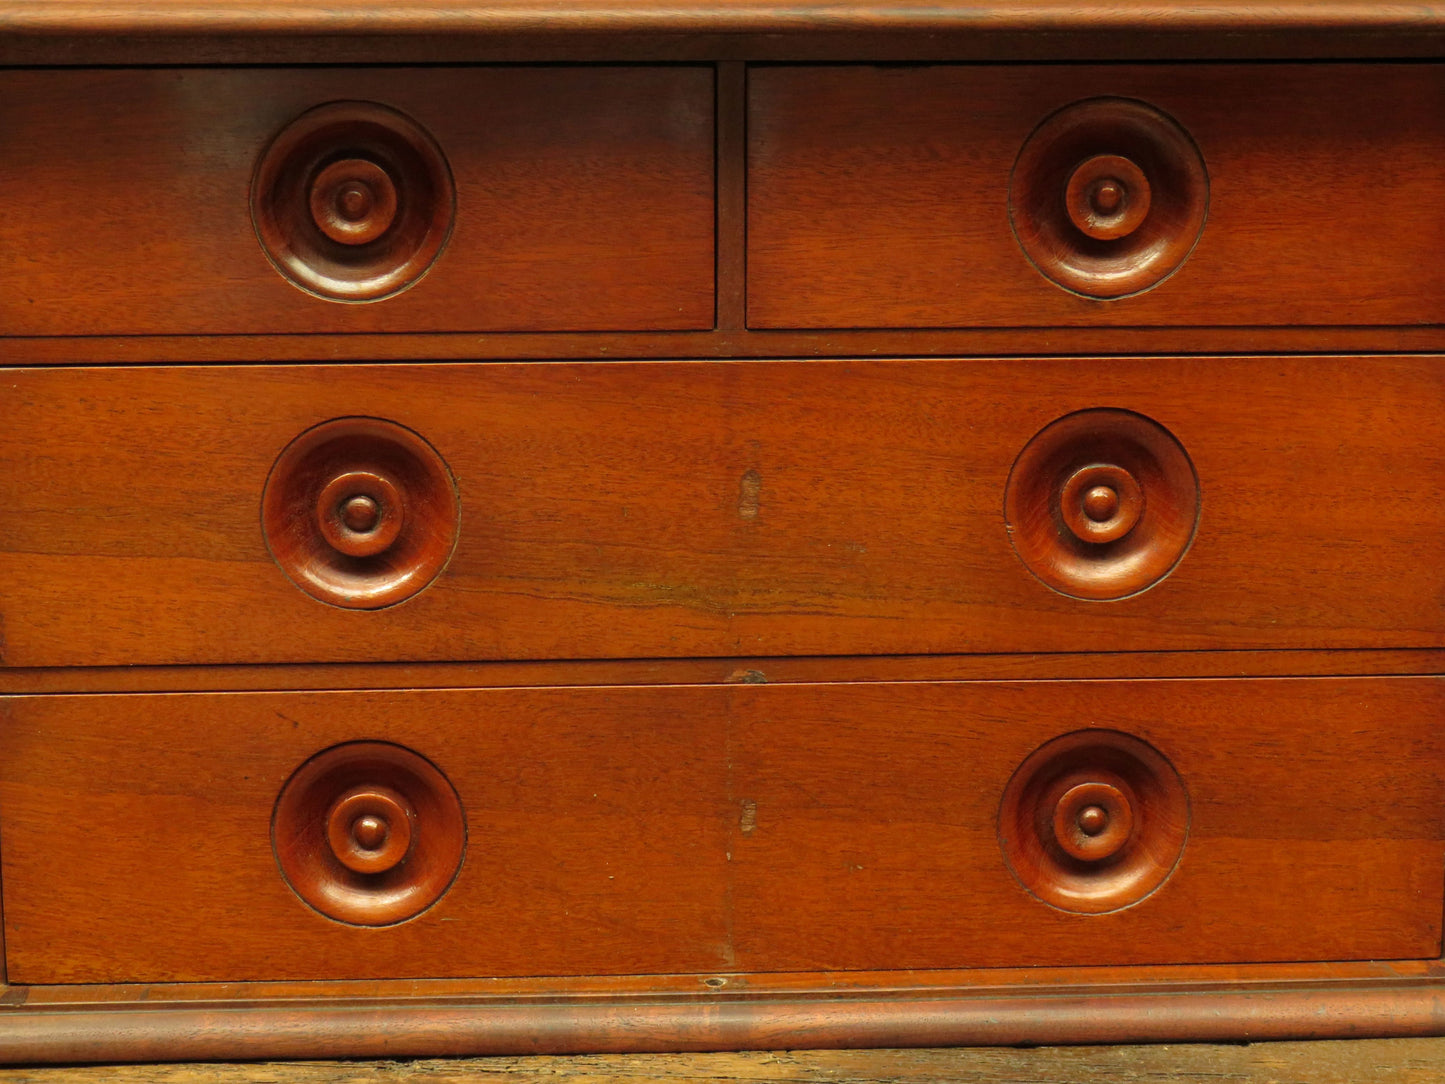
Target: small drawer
1119,195
250,201
378,513
503,832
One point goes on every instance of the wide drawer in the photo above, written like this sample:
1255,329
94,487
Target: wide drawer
493,199
639,510
720,828
934,196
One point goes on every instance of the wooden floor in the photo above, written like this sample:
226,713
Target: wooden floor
1396,1061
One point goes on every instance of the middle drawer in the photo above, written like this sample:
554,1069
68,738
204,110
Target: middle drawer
170,514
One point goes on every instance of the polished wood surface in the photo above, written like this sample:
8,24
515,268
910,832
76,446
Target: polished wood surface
768,16
879,196
684,509
390,1026
587,529
724,828
584,202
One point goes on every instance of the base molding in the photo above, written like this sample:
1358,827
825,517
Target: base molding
499,1017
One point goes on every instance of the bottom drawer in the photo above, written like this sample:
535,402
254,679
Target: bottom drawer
508,832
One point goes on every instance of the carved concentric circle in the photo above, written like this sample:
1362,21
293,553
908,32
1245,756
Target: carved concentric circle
1102,504
369,833
369,828
360,512
1093,821
353,201
1108,197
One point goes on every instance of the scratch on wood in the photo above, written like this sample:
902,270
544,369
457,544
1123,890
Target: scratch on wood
749,493
749,821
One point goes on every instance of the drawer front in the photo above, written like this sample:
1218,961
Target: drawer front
899,197
719,509
582,200
727,828
691,509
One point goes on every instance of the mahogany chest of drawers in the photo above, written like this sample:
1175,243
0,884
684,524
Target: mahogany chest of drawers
595,528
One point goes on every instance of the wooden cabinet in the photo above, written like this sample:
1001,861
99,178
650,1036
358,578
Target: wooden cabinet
686,528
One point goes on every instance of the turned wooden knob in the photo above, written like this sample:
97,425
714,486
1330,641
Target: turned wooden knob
369,829
353,201
369,833
1107,197
360,513
1101,503
1093,821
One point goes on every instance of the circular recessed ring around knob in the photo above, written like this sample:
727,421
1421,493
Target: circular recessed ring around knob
369,829
1101,502
353,201
1107,197
360,513
1093,821
369,833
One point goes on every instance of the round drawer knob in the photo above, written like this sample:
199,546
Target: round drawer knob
360,513
1093,821
369,829
353,201
1101,503
1108,197
369,833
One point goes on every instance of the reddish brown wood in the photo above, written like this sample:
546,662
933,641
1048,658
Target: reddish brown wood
353,201
122,17
741,828
360,512
878,196
775,670
1077,1015
1108,197
609,510
596,830
732,196
1093,821
978,342
1102,504
369,833
584,199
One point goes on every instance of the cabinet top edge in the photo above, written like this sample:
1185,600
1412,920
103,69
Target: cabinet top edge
790,17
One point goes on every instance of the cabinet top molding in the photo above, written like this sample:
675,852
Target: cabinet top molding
492,17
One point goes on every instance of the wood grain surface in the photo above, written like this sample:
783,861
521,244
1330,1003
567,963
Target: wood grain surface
584,199
727,509
121,17
718,828
879,196
747,671
1381,1061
